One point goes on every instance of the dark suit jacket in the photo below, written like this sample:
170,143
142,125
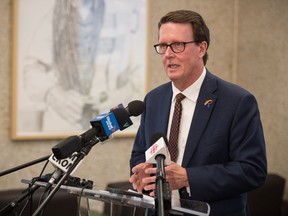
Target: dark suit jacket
225,151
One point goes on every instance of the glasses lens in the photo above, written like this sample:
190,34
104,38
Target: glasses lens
161,48
178,47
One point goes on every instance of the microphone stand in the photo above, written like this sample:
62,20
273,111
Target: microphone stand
83,152
163,193
8,208
24,165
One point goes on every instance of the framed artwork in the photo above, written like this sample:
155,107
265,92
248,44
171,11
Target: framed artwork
74,60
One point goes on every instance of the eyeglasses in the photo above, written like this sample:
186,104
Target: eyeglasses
176,47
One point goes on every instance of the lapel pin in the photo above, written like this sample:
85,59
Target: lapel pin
208,103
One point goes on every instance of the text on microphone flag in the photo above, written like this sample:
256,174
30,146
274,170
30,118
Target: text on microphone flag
66,163
111,126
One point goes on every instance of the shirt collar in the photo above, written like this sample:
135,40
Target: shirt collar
193,90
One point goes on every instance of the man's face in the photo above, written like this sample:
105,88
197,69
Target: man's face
182,68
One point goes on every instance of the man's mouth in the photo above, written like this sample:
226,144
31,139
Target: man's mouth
172,66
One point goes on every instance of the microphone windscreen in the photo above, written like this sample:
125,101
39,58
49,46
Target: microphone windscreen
136,107
66,147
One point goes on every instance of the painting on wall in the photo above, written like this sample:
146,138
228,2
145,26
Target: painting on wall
74,60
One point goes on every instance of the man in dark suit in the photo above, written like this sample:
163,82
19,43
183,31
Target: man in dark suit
221,147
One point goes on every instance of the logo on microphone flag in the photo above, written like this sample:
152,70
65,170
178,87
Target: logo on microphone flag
153,148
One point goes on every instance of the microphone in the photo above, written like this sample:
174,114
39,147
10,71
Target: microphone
158,149
158,153
135,108
65,153
117,118
73,144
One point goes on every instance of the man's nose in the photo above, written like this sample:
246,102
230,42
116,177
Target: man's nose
169,52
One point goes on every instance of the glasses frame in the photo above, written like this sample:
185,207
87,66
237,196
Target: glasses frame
171,46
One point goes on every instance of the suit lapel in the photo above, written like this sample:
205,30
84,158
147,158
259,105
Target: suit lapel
204,107
165,102
161,109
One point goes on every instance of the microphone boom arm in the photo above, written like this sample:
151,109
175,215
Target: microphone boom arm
5,172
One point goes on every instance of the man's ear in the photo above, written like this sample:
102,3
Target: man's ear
203,48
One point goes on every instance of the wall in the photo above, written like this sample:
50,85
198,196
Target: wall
248,47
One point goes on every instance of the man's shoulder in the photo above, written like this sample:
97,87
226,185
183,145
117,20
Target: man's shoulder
162,89
224,86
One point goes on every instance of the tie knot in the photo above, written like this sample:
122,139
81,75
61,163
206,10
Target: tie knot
180,97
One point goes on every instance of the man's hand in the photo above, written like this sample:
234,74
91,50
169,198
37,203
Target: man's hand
176,176
138,175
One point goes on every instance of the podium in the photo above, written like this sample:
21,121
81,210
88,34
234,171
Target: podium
130,199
